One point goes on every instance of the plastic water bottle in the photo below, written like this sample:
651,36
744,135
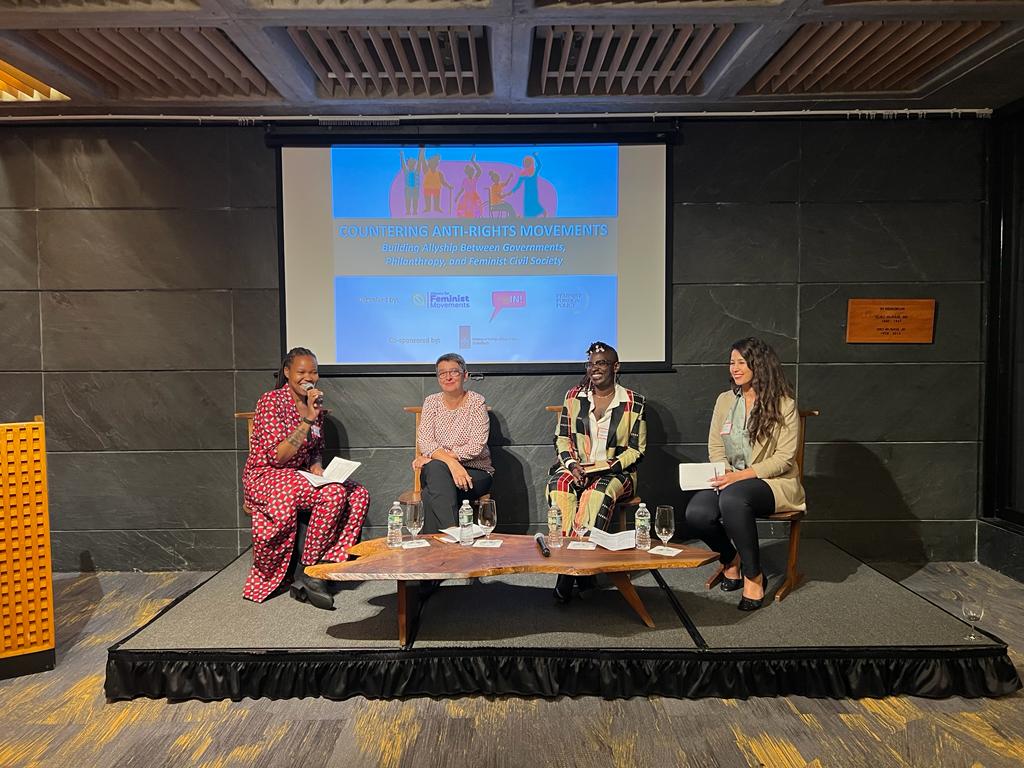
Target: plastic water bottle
643,527
395,525
466,524
554,527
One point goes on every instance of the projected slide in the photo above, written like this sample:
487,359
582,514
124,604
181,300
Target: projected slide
504,253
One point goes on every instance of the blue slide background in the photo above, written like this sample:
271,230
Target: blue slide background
585,175
562,316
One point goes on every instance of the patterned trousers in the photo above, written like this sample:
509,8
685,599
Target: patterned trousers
335,520
591,506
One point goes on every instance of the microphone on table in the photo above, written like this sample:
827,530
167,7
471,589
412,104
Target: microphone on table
307,386
542,543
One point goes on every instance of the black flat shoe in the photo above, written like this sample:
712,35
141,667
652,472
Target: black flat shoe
312,591
749,604
586,583
563,588
730,585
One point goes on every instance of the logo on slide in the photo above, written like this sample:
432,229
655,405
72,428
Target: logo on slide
507,300
445,300
465,337
572,301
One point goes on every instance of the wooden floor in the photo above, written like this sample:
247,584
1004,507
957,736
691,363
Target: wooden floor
60,719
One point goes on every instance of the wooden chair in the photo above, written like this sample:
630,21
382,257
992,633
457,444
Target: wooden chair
621,505
414,494
793,577
248,416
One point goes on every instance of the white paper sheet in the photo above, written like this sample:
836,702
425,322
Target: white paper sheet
613,541
338,471
695,477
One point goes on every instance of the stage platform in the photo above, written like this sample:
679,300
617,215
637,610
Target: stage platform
849,631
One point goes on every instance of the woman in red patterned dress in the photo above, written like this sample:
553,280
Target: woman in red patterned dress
287,435
452,454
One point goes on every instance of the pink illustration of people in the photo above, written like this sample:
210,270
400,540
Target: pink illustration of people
424,188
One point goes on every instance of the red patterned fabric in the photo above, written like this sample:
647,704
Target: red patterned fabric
462,431
275,492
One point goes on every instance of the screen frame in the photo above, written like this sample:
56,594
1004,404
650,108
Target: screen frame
584,131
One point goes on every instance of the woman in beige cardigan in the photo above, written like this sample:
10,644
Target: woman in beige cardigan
755,431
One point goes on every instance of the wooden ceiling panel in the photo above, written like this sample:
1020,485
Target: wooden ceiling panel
624,59
857,57
396,61
163,63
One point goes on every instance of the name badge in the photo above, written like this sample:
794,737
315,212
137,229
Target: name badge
314,431
727,428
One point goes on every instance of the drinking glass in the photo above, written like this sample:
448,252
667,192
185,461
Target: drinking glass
665,523
972,611
487,516
413,512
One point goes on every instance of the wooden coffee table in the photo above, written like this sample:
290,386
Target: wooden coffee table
517,554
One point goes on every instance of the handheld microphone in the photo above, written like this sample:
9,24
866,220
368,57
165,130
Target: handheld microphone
308,386
542,543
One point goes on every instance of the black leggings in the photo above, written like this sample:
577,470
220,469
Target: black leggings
441,497
726,522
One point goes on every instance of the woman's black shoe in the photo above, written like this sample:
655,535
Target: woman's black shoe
730,585
749,604
563,588
312,591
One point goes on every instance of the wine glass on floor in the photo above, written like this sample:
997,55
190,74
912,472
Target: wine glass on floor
413,517
665,523
972,611
487,516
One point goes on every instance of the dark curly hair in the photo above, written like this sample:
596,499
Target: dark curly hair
598,346
286,363
770,384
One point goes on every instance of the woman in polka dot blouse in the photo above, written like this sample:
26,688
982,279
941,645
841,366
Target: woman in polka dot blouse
287,435
452,453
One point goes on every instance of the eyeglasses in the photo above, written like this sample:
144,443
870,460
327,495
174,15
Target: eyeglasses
599,364
454,373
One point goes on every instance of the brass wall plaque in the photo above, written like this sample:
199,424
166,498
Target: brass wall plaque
890,321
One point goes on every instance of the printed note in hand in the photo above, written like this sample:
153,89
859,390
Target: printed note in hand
696,477
338,471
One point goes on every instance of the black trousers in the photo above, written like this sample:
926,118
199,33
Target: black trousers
726,522
442,498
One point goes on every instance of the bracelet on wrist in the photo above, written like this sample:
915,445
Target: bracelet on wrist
311,422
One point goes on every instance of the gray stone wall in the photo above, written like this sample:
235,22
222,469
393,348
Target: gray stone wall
139,310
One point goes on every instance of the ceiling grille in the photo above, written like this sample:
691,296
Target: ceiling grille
856,56
191,63
16,85
660,3
100,5
390,5
624,59
396,62
922,2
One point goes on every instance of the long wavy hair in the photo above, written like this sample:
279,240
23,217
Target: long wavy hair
770,384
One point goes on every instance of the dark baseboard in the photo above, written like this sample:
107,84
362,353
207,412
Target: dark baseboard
1001,547
27,664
